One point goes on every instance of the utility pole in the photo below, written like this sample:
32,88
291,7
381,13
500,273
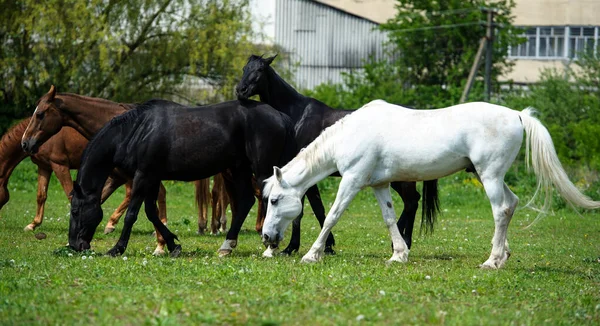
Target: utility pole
488,53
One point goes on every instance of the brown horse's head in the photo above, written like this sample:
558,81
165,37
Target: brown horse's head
45,122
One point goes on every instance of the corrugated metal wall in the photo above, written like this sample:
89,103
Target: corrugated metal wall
324,41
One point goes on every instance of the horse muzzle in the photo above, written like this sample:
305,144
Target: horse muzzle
271,239
30,146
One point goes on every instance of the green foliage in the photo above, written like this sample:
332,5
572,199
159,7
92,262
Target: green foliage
569,105
432,45
121,50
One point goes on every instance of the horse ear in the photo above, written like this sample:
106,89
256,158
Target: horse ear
52,93
277,173
270,60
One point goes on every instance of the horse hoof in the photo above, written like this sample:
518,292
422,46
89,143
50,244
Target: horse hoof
29,227
175,252
329,251
310,258
288,251
109,229
269,252
114,252
158,252
224,252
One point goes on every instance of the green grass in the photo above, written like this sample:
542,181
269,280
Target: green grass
553,276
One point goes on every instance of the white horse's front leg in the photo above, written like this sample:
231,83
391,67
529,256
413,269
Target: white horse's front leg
346,192
389,216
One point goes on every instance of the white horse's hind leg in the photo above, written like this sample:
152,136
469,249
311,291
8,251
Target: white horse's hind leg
389,217
503,203
346,192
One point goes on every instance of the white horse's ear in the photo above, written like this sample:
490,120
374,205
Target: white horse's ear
277,173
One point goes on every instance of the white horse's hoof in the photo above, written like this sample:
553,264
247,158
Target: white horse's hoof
224,252
158,252
109,229
311,258
30,227
270,252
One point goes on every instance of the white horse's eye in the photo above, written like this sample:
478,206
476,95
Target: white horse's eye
274,201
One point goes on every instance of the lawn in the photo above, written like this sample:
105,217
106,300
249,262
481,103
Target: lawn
552,277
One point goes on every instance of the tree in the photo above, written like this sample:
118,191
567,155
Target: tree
432,45
121,50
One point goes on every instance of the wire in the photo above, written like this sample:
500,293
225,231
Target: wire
437,27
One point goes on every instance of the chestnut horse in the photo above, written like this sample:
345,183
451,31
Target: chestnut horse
59,154
87,115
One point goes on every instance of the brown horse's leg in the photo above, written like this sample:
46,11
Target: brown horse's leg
42,194
162,215
202,200
220,201
64,177
162,204
109,187
260,215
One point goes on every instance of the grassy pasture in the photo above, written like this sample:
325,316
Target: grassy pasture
553,276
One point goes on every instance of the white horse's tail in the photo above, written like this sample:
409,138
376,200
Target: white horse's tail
546,165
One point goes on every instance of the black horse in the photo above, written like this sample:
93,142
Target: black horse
311,117
162,140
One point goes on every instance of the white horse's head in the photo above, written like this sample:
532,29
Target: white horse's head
284,205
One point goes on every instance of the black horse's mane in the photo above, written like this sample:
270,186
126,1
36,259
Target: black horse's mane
125,119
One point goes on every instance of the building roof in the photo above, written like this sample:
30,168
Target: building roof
526,12
378,11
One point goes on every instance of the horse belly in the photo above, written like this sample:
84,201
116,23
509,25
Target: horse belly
419,166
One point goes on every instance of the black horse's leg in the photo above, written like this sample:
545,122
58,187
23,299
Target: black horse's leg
410,196
316,203
152,214
240,190
294,244
137,197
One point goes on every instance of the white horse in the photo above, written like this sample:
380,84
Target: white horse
381,142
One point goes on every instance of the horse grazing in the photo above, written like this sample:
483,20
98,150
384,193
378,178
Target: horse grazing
162,140
310,118
59,154
411,145
87,115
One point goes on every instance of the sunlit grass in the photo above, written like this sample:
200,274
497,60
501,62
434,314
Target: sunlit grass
553,276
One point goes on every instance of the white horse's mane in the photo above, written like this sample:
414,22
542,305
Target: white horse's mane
315,154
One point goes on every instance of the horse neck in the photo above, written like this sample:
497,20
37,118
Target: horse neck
87,115
96,165
11,153
312,165
282,96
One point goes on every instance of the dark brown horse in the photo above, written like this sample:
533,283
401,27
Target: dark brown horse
59,154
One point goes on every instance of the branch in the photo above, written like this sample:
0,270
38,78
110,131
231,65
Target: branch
139,41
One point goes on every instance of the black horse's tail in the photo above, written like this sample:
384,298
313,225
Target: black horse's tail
431,205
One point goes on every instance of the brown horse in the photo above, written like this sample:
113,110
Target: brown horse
87,115
59,154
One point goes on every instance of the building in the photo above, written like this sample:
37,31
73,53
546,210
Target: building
324,38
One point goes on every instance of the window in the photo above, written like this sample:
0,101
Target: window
582,39
553,42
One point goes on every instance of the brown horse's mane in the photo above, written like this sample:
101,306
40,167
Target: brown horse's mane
87,98
14,134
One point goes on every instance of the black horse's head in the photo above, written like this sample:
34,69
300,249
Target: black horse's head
254,78
86,215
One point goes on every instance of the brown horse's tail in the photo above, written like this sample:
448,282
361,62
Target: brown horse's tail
203,199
